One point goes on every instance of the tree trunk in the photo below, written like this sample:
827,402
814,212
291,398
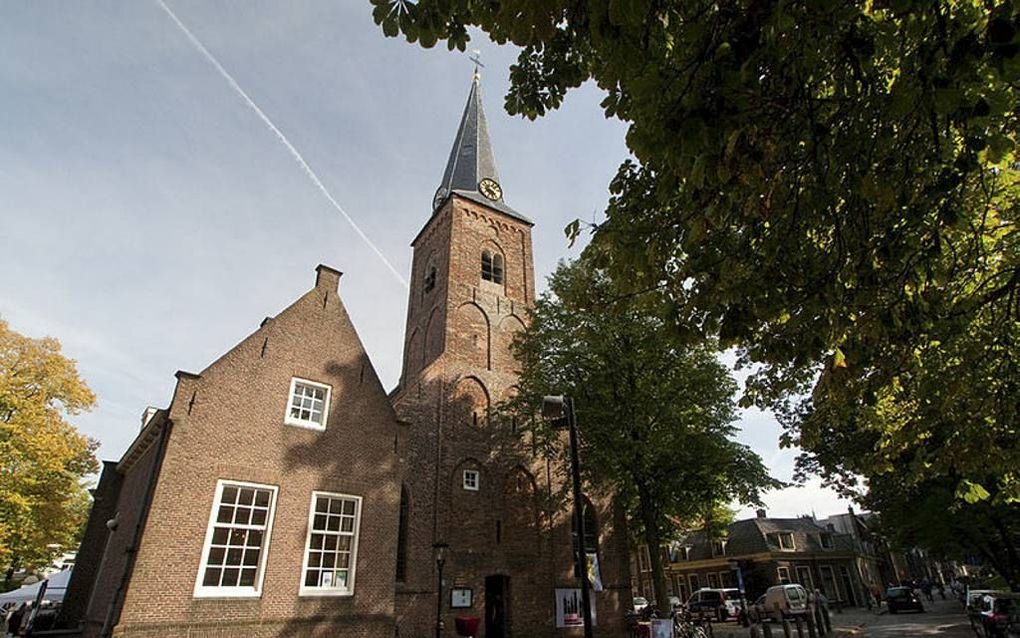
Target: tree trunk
653,538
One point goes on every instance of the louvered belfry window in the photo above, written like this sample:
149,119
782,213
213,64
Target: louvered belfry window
486,266
497,268
492,267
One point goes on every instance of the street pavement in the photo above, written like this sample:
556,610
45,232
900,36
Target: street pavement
943,618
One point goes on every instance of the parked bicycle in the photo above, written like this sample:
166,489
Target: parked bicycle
686,626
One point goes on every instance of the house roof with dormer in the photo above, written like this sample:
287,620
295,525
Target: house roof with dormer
760,536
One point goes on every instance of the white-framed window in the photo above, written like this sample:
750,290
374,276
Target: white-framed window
308,404
236,541
472,479
644,559
804,578
692,579
825,540
331,548
679,553
718,548
784,575
784,540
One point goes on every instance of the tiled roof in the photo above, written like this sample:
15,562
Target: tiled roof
758,535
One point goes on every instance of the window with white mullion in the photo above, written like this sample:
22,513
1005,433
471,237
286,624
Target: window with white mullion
237,540
331,547
308,404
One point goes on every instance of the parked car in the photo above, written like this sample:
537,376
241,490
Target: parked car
999,615
640,602
899,599
721,604
781,601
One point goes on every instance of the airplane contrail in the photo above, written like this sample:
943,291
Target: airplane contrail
280,136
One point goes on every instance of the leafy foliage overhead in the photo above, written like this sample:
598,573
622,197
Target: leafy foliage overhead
831,186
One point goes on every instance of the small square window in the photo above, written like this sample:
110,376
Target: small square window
308,406
471,480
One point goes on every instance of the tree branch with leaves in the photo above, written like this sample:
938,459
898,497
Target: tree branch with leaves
43,459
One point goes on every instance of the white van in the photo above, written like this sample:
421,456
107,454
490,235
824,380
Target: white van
785,600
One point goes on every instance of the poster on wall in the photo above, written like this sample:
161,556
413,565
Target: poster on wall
568,608
460,597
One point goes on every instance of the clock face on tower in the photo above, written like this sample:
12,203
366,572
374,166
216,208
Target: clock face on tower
490,188
438,198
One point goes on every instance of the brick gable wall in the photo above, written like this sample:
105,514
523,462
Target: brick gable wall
228,423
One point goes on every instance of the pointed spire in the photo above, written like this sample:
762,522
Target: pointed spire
471,159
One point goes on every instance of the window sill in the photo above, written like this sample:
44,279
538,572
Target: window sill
308,425
221,593
328,593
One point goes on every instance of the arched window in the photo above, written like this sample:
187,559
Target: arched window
402,535
497,268
430,279
486,266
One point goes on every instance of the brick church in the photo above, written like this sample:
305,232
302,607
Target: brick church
284,492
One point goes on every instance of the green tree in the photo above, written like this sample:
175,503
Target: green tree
832,187
43,458
655,412
933,517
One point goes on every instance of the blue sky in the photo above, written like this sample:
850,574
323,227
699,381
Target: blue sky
150,220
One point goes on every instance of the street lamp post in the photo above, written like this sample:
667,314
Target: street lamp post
439,551
735,566
558,407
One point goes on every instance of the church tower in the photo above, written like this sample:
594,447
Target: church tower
471,480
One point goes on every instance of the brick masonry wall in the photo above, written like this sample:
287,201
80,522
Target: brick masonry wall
90,554
518,523
228,423
117,554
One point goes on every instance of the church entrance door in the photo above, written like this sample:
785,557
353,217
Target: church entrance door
497,592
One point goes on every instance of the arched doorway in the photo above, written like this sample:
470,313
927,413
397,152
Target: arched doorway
497,606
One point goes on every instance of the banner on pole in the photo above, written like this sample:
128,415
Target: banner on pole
594,573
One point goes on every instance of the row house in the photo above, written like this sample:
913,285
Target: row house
760,552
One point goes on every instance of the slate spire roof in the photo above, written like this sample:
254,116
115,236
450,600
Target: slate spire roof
471,159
